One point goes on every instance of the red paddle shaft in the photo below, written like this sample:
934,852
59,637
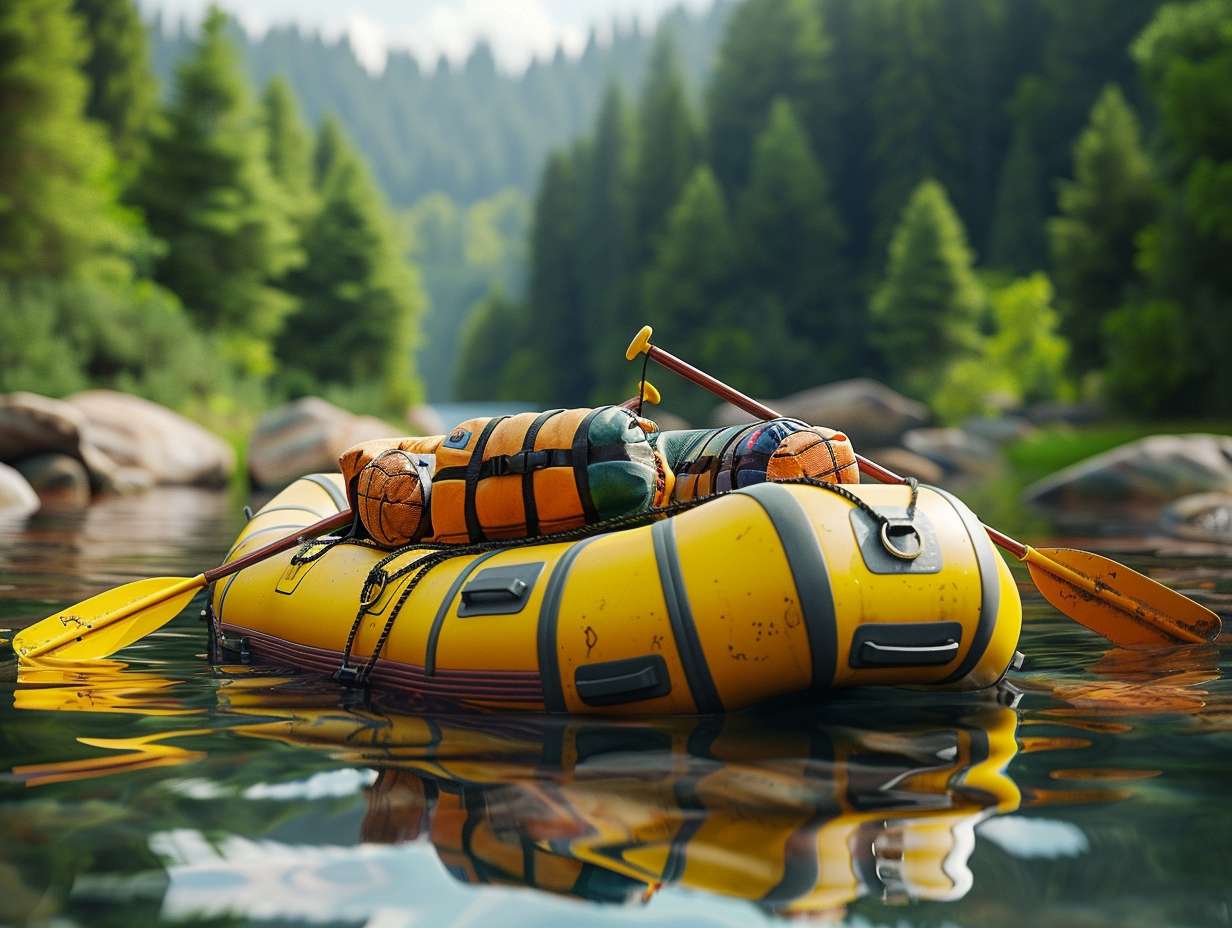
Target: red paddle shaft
751,406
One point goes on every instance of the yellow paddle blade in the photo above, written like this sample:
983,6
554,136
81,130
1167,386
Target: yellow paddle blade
1125,607
103,624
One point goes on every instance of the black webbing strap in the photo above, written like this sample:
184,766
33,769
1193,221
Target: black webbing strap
473,467
529,508
724,467
696,467
581,460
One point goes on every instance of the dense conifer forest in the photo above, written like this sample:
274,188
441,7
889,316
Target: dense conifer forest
982,202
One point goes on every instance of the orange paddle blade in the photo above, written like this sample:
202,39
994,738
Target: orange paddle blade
1125,607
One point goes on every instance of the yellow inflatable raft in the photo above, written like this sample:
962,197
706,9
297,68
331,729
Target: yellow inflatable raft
766,591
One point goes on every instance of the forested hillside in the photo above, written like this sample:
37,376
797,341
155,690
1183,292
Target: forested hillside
985,202
459,147
467,130
210,251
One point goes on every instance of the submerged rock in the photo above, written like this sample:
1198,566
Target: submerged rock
144,436
305,437
869,412
1200,517
1148,473
58,479
17,497
954,450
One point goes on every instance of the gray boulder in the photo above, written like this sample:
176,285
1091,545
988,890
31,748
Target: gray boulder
1200,517
906,464
59,479
142,436
1000,430
868,412
954,450
305,437
1144,474
31,425
17,497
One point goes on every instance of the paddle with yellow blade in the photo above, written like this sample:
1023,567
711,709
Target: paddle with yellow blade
1125,607
103,624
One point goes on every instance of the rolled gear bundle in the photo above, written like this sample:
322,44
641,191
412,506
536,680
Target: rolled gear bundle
506,477
536,474
709,461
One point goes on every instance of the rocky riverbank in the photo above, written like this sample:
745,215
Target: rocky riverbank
67,452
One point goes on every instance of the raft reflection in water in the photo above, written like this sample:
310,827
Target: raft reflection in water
799,819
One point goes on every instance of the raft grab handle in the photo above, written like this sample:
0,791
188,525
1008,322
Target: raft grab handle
909,644
499,590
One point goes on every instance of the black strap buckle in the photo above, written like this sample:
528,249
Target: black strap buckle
349,676
502,465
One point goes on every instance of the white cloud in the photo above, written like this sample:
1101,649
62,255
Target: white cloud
518,30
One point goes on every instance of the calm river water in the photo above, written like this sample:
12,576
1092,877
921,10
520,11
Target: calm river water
159,788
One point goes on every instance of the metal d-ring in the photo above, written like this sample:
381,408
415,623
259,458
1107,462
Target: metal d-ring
892,549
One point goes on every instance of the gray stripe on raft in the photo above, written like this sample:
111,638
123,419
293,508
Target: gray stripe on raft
990,586
323,481
443,610
223,598
696,670
289,507
808,572
261,531
549,617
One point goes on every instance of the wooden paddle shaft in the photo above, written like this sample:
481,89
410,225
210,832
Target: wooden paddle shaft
751,406
328,524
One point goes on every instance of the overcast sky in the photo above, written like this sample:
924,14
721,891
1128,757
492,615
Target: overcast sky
517,29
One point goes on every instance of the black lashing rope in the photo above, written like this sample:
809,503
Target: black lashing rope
641,384
436,554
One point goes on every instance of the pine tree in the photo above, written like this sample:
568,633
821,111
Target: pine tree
667,147
927,311
1017,239
791,240
689,293
1185,57
208,193
1103,209
486,367
58,212
123,94
359,300
605,240
562,335
327,148
771,48
288,145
